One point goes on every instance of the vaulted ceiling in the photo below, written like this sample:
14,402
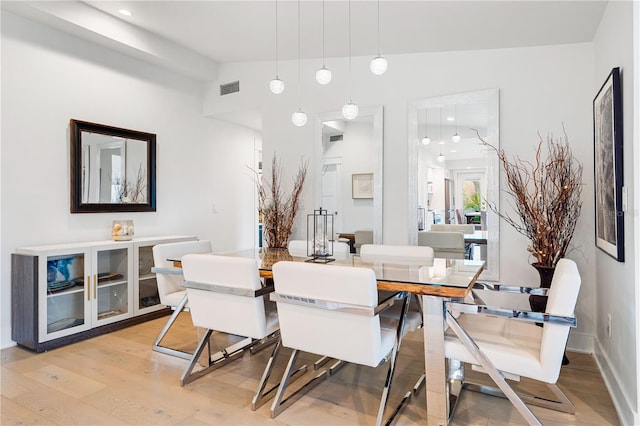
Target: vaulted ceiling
202,34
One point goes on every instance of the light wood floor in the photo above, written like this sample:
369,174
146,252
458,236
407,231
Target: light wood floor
116,379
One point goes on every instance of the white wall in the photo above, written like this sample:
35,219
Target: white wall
540,89
49,77
616,283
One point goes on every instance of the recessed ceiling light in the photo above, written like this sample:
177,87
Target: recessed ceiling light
125,12
450,119
453,150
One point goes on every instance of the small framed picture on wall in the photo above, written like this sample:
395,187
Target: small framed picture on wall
362,185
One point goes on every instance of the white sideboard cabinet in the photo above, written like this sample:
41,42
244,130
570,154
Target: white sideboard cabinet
64,293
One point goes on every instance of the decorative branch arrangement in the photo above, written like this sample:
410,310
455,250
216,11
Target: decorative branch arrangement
131,191
547,197
277,209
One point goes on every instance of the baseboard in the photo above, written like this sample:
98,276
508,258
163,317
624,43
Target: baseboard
580,342
8,345
621,401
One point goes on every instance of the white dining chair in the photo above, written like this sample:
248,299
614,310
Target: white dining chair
448,245
420,255
299,248
465,229
363,236
226,295
332,311
451,227
506,343
170,289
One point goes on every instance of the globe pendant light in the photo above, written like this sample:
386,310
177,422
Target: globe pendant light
299,118
426,140
378,64
350,109
323,75
276,85
456,137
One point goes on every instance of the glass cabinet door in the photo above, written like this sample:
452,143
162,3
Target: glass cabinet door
64,294
147,295
111,284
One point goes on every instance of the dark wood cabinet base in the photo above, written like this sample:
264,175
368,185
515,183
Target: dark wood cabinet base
83,335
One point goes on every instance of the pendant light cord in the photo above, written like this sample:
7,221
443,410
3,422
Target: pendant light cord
455,113
276,38
350,76
426,120
378,27
299,66
323,34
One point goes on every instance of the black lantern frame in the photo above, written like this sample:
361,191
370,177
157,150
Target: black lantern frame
320,236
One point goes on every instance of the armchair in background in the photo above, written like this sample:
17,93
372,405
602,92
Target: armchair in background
444,244
363,236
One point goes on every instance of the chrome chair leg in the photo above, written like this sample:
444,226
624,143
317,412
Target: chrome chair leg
215,360
563,403
280,403
157,347
261,396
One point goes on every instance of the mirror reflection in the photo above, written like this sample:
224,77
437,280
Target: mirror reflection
453,175
349,174
112,169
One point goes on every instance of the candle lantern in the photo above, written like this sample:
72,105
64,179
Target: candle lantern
320,236
421,218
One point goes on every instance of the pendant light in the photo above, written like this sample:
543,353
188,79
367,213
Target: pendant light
378,64
426,140
323,75
299,118
456,137
276,85
350,110
440,158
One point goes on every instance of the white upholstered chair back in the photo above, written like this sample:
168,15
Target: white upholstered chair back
228,313
169,288
342,335
465,229
391,251
562,298
298,248
445,244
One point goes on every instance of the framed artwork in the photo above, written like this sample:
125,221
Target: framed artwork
607,135
362,185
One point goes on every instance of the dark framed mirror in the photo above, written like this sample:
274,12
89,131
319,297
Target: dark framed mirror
112,169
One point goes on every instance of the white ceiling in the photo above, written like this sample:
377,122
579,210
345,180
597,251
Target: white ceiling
232,31
194,37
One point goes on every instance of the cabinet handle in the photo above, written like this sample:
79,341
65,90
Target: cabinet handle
88,288
95,286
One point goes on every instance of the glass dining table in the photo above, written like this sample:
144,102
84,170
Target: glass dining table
435,280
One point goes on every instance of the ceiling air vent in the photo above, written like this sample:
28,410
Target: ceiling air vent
228,88
335,138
